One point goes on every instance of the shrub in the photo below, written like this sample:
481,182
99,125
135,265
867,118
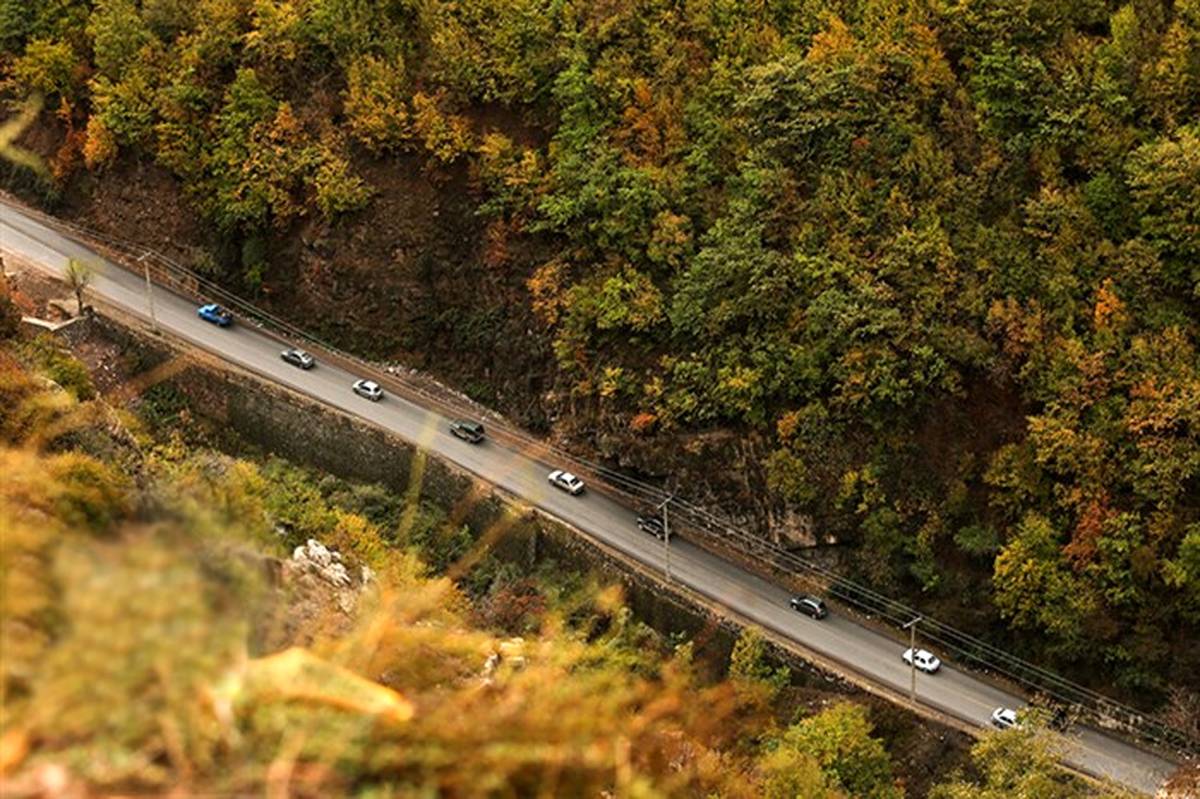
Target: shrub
56,363
375,103
88,494
446,136
48,66
100,146
338,189
10,314
750,667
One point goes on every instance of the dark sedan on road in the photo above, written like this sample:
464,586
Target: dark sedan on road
216,314
298,358
467,431
653,525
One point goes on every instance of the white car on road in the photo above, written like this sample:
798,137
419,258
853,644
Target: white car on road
369,389
924,660
566,481
1005,718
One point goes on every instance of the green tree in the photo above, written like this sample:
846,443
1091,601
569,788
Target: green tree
49,67
10,314
1164,182
1011,88
1182,572
338,190
1015,764
789,773
79,275
1036,588
839,740
118,34
16,20
750,666
376,102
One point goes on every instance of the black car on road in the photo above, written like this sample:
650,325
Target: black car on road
653,525
810,606
467,431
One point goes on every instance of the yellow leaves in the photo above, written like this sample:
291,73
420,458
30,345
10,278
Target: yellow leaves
284,130
375,102
338,190
671,239
65,491
495,150
624,299
276,31
651,129
297,675
100,146
446,136
1109,311
835,43
48,67
1021,329
654,388
931,72
546,286
785,428
611,381
511,174
739,379
354,534
1171,82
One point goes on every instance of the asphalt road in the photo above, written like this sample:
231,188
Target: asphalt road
873,655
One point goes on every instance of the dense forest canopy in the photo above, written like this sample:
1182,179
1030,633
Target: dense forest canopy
941,256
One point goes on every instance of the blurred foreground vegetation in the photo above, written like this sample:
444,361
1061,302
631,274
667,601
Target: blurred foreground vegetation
156,637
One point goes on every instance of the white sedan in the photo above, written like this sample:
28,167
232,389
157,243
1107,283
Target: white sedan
566,481
923,660
1005,718
368,389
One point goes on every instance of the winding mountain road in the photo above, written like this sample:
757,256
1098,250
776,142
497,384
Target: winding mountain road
874,656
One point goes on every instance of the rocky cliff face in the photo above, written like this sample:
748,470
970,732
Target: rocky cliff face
322,583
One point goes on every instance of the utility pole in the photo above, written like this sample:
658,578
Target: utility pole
666,535
149,290
912,662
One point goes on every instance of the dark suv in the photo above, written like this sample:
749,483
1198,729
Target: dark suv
809,606
467,431
652,525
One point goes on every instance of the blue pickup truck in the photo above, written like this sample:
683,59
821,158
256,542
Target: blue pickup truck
216,314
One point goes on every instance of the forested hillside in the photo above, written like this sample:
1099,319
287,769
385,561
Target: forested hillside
918,276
